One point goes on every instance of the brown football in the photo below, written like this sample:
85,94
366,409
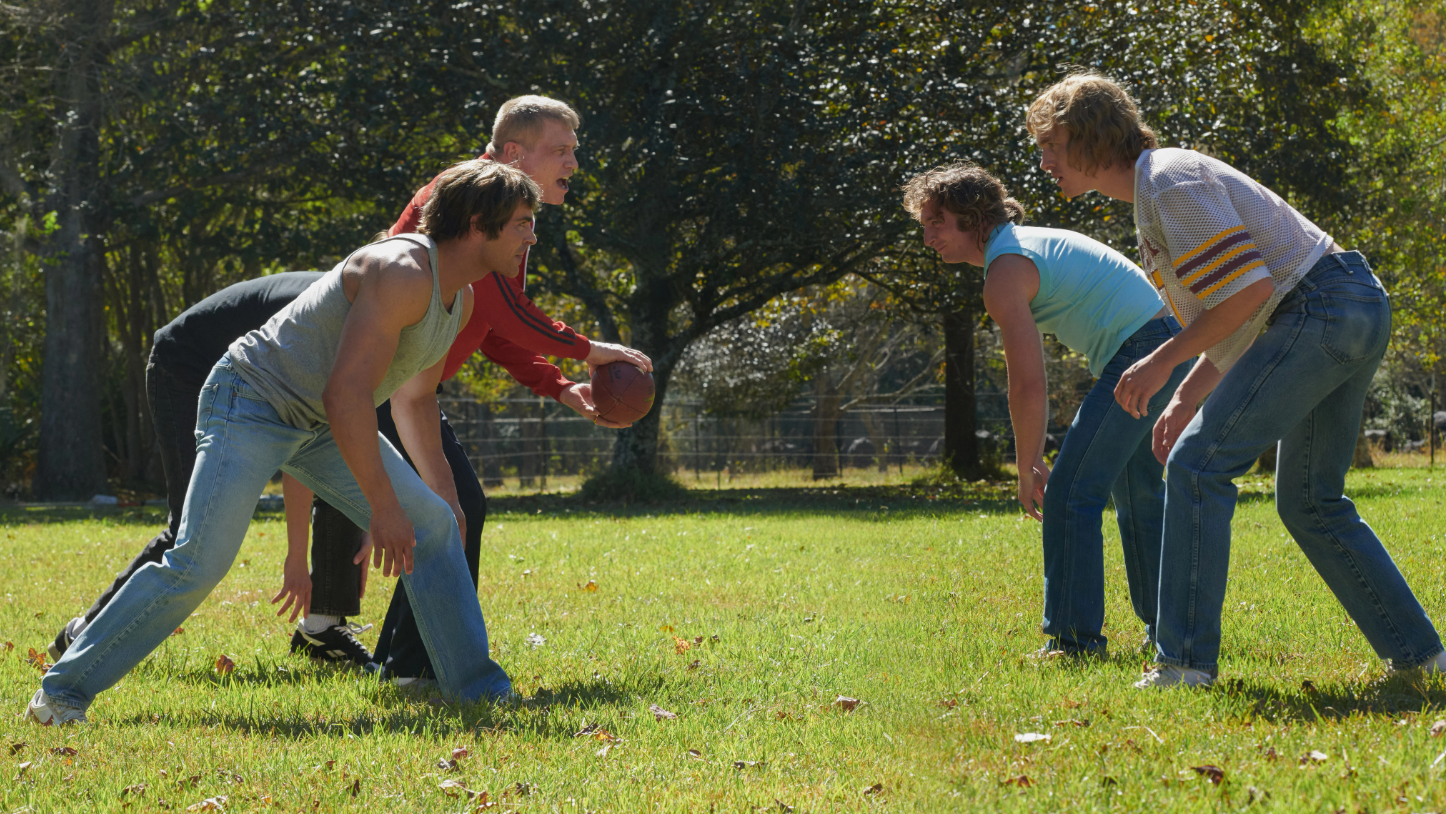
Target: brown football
622,393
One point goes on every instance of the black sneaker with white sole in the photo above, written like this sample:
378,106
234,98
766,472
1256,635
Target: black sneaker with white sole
64,638
336,643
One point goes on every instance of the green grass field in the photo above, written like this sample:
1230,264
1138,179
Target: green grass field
747,613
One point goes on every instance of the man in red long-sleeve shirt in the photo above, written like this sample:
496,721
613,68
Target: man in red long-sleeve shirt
536,135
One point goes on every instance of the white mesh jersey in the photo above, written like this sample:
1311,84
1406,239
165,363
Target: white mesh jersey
1207,230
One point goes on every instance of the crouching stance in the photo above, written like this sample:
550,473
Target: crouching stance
1292,329
300,394
1101,305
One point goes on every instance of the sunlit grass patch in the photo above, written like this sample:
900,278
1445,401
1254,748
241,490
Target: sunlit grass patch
747,614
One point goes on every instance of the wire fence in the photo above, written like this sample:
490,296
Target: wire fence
532,439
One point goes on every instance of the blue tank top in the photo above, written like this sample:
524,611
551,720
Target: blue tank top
1090,296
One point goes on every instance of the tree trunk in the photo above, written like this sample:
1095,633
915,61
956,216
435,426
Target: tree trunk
826,402
879,437
70,465
961,445
636,448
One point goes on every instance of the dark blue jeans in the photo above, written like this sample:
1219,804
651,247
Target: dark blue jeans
1302,384
1106,453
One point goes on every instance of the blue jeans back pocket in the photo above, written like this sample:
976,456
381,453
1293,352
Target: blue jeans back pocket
1357,321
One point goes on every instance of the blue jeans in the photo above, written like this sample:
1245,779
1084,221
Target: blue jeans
240,443
1106,453
1302,383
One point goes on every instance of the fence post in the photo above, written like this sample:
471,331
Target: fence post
898,441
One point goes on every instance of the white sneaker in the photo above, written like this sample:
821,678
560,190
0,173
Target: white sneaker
42,710
1168,675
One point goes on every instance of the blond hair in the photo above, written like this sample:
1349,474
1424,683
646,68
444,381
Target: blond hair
477,193
1102,120
977,199
521,119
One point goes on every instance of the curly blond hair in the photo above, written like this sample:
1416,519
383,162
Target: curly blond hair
1101,118
977,199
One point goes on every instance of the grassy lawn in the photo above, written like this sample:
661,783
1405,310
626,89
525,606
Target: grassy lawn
746,613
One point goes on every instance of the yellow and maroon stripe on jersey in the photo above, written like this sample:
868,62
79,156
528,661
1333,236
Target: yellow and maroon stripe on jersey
1217,261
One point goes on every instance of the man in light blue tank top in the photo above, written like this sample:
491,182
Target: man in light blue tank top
300,394
1099,304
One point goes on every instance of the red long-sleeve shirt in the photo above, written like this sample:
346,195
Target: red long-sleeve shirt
505,325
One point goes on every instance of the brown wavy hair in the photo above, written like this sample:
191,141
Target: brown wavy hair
977,199
1101,118
484,192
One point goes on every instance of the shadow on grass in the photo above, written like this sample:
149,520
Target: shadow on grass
919,499
1408,692
551,713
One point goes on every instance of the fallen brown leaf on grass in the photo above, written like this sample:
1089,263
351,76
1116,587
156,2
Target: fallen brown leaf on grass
484,803
587,729
37,660
1021,781
23,768
68,751
694,754
740,765
783,808
217,803
446,765
9,646
460,752
846,704
1073,722
1438,729
1214,773
1271,754
877,788
224,664
136,789
178,631
1313,756
695,664
661,714
16,747
356,787
590,587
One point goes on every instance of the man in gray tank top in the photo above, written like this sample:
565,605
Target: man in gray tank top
300,394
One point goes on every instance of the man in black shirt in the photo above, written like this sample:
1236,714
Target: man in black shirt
182,356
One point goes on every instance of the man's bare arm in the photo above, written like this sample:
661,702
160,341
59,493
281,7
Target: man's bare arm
1012,283
419,426
389,291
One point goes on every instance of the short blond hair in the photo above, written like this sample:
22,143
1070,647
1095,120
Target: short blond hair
1101,118
977,199
521,119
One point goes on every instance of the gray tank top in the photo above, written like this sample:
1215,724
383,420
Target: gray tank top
289,359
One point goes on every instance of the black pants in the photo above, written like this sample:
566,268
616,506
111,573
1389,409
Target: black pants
400,649
334,578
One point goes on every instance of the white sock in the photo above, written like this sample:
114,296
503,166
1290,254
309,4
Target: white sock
316,623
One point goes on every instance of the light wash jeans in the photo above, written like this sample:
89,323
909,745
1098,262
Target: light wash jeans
1106,453
240,443
1302,383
